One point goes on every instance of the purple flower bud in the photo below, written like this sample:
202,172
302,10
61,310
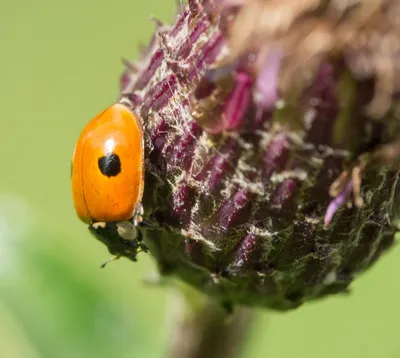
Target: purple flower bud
249,126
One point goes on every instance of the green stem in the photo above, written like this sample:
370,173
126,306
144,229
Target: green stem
201,328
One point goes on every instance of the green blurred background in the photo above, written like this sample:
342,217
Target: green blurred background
59,66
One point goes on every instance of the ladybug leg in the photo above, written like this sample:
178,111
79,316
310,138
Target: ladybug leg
110,260
139,237
138,220
138,215
149,224
139,240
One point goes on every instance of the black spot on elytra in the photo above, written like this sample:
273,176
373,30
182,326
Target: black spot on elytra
110,165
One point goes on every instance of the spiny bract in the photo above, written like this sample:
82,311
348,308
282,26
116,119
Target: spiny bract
271,132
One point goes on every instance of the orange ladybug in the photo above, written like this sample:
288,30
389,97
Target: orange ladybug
108,168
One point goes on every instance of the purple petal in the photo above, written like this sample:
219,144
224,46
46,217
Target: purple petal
336,203
266,87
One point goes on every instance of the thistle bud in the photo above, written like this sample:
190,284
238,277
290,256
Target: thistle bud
272,131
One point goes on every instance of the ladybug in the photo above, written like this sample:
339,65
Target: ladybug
108,179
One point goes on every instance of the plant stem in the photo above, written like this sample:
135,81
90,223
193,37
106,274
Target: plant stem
201,328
